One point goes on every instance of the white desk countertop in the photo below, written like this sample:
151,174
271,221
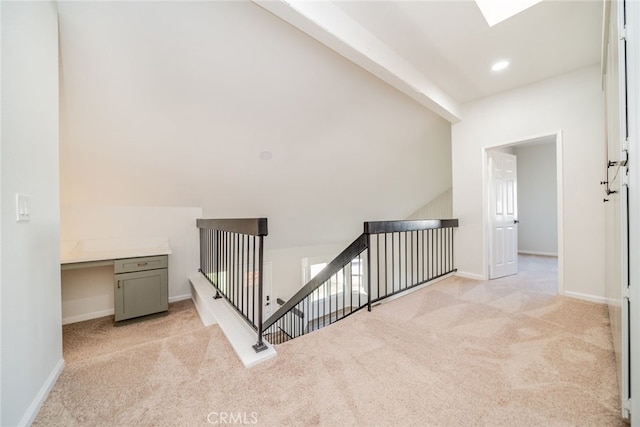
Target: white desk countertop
76,251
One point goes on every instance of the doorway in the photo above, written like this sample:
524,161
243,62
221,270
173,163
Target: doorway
538,215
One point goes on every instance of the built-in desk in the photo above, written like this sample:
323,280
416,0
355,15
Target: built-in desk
140,271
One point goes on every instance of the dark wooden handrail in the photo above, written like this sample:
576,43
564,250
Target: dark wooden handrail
378,227
250,226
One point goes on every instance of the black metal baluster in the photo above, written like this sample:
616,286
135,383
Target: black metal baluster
254,288
429,253
232,282
424,256
226,263
378,264
329,296
453,264
412,262
306,313
344,289
242,274
441,251
393,262
300,318
260,345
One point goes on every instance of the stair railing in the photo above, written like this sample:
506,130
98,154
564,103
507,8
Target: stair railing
231,259
388,258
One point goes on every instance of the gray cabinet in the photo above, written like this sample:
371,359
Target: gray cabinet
140,286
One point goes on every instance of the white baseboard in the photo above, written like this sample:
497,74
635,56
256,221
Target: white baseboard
538,253
179,298
585,297
42,395
110,311
414,289
87,316
467,275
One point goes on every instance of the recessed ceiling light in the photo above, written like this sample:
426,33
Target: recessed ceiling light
500,65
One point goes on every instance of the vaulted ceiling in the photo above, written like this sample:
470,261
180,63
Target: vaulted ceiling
173,103
451,42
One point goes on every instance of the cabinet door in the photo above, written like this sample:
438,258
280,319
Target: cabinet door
140,293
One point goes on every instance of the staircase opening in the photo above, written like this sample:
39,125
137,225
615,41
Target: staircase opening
388,258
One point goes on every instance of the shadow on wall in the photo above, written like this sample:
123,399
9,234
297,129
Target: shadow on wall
440,207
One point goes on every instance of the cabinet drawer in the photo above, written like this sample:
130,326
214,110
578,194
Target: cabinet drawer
130,265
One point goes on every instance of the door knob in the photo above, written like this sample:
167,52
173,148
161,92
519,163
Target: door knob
515,221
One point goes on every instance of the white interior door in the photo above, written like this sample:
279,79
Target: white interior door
503,210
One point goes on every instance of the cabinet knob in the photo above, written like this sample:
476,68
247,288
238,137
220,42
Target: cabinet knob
142,264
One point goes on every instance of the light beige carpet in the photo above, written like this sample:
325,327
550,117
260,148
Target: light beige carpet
460,352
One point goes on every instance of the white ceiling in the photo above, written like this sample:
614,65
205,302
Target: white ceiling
171,104
451,43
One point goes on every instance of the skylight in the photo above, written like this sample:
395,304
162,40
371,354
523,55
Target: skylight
496,11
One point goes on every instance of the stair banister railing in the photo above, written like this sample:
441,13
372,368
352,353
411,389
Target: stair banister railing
231,259
421,251
355,248
399,255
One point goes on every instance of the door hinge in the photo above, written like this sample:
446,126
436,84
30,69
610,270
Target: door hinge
626,294
625,144
626,405
623,33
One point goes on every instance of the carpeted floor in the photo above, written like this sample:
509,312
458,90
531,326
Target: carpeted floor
460,352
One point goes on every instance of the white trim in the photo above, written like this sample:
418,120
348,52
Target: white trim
467,275
87,316
329,25
560,206
633,91
585,297
109,312
179,298
239,334
200,293
552,254
36,404
560,195
414,289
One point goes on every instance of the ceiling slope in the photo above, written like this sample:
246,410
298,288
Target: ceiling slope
172,104
328,24
440,52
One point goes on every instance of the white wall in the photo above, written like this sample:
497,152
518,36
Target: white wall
88,293
537,199
571,103
174,110
287,265
440,207
31,322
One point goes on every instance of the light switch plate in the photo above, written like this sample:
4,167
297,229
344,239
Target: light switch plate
23,208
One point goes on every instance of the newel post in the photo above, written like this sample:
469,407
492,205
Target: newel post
260,345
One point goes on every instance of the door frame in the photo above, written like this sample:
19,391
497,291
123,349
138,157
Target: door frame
559,191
